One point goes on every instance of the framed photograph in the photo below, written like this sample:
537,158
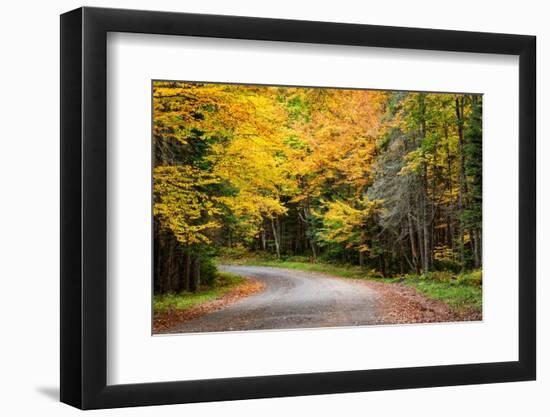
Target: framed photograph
256,208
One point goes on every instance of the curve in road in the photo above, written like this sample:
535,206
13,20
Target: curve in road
291,299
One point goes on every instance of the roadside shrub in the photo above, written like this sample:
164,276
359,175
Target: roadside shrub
224,279
296,258
373,273
234,252
441,276
208,271
473,278
446,265
334,254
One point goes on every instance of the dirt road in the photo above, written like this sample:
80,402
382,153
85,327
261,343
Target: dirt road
291,299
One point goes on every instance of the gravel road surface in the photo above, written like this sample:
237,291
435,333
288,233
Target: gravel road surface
291,299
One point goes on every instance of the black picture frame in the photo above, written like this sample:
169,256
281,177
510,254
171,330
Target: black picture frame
84,207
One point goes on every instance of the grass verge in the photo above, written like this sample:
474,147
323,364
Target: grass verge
462,292
223,283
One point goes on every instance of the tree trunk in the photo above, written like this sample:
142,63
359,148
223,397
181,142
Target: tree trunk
420,232
450,225
307,232
313,249
165,267
172,261
459,108
382,263
477,247
281,228
263,239
196,273
424,197
414,253
426,241
425,224
362,240
187,270
158,262
276,239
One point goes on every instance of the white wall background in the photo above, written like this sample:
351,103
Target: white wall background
29,225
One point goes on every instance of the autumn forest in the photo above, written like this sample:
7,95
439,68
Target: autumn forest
388,182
